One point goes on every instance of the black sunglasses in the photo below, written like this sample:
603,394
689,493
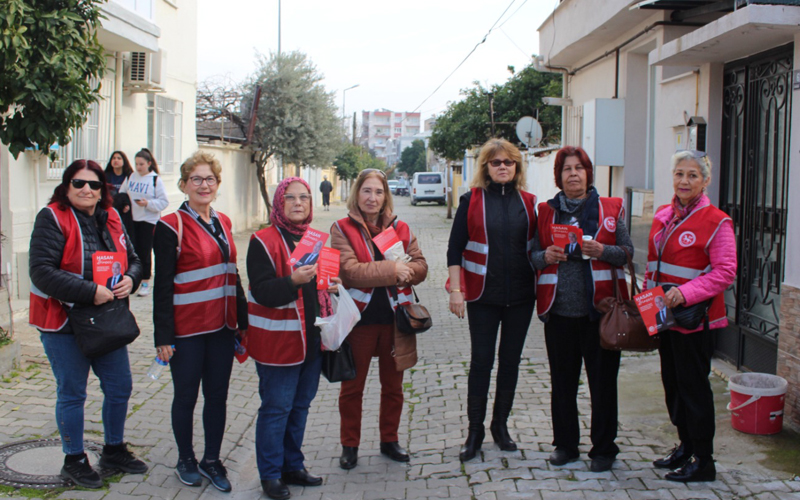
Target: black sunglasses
79,183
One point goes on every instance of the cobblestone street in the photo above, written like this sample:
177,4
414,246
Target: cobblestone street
433,426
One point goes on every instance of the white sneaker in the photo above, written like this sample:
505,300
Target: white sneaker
145,290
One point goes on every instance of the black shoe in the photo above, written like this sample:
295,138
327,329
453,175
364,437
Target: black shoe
349,458
675,459
275,489
476,414
301,478
395,452
561,456
696,470
502,437
82,474
503,401
217,474
118,457
602,463
187,472
472,445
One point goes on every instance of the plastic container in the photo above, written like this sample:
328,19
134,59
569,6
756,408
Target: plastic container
586,237
757,401
157,368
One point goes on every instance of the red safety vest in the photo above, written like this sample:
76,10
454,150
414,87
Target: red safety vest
47,313
602,272
204,298
276,335
363,247
476,255
685,254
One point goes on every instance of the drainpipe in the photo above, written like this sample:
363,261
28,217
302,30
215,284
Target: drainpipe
118,77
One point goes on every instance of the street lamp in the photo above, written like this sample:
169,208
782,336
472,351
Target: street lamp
344,129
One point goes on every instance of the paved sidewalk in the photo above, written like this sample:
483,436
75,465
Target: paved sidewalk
433,425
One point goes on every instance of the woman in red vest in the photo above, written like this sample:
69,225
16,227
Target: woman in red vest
691,245
377,286
489,244
198,304
283,340
568,289
78,222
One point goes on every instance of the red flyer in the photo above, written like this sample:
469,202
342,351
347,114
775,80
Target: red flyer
328,267
656,315
306,253
569,238
390,245
108,268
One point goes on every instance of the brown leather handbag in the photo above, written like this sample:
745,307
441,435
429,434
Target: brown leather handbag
622,327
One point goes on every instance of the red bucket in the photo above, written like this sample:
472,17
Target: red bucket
757,402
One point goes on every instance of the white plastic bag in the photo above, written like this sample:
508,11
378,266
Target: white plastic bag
336,327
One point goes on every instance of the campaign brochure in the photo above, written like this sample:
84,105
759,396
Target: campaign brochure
108,268
569,238
652,306
240,348
328,267
390,245
306,253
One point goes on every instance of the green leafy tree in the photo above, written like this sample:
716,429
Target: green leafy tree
346,162
413,159
296,118
48,53
467,123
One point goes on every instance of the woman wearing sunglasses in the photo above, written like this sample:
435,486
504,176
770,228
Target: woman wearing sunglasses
487,258
377,286
78,222
198,305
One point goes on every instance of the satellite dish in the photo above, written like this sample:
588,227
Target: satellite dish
529,131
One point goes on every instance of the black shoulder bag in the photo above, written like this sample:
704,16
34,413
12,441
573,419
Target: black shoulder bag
688,317
102,329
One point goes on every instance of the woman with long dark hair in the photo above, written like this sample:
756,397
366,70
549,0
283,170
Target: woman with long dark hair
117,170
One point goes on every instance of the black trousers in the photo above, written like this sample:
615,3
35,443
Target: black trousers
570,343
685,366
484,321
143,244
326,199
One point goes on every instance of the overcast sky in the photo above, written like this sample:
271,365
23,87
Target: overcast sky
398,52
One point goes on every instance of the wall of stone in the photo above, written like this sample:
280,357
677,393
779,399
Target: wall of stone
789,353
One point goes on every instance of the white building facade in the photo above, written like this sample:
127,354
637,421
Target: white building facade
381,126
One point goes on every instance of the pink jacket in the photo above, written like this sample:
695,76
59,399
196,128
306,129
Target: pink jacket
721,253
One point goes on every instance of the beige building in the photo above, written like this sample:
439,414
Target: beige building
645,78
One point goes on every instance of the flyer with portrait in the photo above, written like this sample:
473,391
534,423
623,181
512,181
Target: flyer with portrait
328,267
568,238
108,268
652,306
306,253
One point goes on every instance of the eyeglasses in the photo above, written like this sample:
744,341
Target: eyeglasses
290,198
198,181
368,171
695,153
79,183
506,162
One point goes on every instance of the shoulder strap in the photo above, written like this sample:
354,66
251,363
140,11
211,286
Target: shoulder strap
180,232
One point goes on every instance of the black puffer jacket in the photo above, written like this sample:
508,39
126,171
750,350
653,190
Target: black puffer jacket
47,248
510,278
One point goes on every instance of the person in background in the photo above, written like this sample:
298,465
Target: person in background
489,242
325,188
198,304
692,245
117,170
374,282
148,197
78,222
283,340
567,292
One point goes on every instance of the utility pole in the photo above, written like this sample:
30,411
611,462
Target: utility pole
450,190
279,28
354,128
491,110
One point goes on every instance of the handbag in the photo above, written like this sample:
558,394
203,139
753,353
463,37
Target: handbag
339,366
622,327
688,317
102,329
412,318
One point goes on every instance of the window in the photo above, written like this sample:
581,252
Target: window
164,128
398,130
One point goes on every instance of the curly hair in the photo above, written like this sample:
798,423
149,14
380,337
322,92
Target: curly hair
200,158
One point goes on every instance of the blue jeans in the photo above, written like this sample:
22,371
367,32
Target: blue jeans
286,394
71,370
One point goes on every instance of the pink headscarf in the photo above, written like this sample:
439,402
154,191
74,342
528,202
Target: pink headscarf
279,219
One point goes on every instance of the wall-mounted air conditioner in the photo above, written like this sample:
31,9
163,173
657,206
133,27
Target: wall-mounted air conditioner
145,71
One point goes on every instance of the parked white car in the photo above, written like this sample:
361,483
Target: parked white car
428,186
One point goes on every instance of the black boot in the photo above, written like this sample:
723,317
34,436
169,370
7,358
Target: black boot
503,401
476,413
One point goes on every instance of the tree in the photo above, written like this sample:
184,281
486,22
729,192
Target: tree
467,123
413,158
49,53
296,118
353,159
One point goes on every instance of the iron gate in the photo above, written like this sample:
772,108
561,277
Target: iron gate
754,168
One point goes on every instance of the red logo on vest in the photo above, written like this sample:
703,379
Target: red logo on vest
687,239
611,224
122,241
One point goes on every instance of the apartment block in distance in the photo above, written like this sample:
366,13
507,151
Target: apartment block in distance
381,125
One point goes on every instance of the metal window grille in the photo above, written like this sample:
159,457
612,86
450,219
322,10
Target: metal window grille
164,126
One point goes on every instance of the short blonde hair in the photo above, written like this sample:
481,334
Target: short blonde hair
352,200
200,158
702,161
489,150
